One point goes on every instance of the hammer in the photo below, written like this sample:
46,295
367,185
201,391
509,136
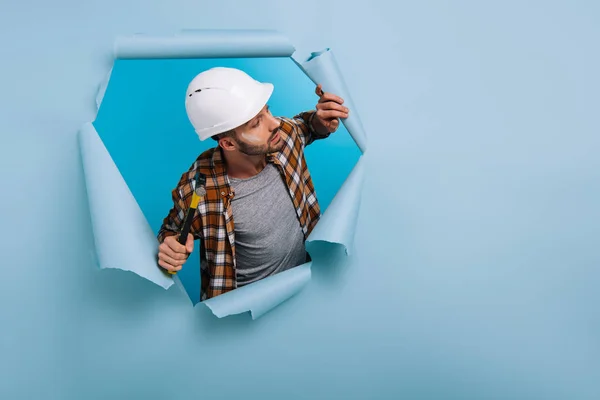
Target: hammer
199,192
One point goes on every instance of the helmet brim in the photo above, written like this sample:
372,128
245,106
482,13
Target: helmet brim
252,111
257,106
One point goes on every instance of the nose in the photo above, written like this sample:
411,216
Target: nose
273,123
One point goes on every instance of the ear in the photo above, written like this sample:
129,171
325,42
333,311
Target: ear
227,143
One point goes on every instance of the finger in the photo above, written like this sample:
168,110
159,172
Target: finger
164,248
170,260
173,249
333,124
168,266
189,245
330,97
319,90
175,246
330,105
331,114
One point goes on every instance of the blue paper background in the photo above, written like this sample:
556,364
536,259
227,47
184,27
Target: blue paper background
143,124
476,269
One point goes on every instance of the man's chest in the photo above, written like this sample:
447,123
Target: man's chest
262,205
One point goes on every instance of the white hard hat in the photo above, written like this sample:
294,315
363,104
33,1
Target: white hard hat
220,99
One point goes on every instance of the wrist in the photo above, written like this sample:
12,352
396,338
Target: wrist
317,126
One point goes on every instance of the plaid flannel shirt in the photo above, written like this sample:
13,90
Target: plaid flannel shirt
213,223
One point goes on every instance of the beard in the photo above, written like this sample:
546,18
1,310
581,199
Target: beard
259,150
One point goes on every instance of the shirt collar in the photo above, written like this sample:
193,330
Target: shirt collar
219,167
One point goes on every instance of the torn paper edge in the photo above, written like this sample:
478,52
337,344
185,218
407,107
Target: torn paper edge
338,223
322,68
207,43
259,297
122,236
262,296
102,89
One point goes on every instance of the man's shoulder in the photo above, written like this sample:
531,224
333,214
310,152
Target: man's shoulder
205,159
202,164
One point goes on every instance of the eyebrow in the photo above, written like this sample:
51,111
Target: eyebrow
259,116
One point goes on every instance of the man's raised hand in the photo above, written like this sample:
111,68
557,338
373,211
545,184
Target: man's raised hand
329,109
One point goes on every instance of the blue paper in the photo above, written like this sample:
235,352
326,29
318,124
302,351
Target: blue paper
261,296
206,44
322,68
122,235
102,89
338,222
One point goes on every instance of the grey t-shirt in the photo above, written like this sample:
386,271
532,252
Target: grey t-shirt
268,236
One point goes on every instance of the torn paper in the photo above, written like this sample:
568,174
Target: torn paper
122,235
261,296
321,67
124,238
338,223
102,89
205,44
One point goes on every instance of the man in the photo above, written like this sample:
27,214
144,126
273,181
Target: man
256,176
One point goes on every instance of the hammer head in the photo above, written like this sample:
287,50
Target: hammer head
200,191
200,180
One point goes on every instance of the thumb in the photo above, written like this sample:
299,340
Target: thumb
189,245
319,90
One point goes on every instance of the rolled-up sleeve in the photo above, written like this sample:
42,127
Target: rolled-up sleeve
304,122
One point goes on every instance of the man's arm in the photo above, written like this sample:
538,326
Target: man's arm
322,122
304,121
172,254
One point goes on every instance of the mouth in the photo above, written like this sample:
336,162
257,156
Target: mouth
275,138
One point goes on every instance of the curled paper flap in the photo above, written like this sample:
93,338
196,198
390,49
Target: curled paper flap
206,44
102,89
261,296
322,68
338,222
123,238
